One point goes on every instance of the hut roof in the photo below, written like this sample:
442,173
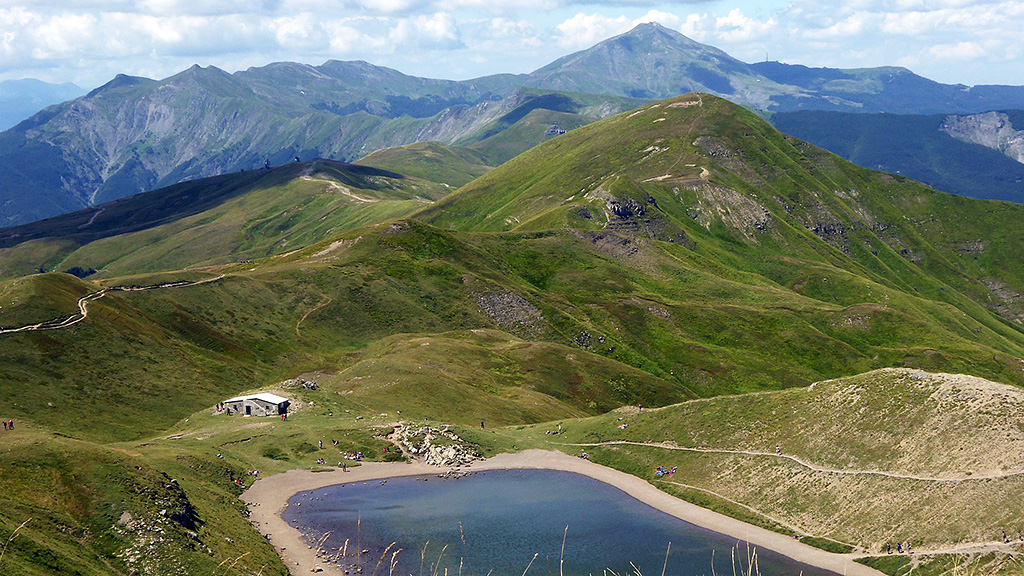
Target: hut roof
264,396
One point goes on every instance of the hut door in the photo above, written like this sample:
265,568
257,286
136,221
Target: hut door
248,410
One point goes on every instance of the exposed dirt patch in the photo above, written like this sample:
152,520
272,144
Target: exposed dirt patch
734,209
1008,302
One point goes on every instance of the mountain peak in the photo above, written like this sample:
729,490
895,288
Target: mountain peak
121,81
650,61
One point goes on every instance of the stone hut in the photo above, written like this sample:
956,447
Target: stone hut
263,404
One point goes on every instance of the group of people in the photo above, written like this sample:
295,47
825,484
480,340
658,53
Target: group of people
8,425
661,471
241,482
900,548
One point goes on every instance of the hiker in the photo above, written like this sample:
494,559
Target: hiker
321,443
344,467
5,425
481,424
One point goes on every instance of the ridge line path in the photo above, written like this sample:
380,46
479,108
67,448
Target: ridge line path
83,302
804,463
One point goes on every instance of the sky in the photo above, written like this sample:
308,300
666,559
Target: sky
89,41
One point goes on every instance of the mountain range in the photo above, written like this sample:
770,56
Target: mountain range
136,134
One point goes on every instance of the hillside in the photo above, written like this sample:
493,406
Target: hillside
979,164
710,177
215,220
884,457
430,161
683,250
705,249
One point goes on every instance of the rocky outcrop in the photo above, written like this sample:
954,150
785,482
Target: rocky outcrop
991,130
512,313
436,446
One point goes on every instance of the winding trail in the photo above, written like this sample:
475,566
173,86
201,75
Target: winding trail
323,302
83,304
805,464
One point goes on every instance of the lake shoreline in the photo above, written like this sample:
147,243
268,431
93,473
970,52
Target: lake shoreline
268,498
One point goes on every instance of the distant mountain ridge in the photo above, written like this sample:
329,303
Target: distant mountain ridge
20,99
136,134
970,155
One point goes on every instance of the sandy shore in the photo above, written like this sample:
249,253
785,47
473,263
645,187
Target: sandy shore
268,498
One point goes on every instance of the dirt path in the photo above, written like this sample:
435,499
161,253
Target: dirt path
93,219
805,464
761,513
268,498
83,305
345,191
323,302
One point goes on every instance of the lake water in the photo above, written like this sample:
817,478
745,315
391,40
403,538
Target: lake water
494,522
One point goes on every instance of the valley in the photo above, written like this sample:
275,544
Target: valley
820,350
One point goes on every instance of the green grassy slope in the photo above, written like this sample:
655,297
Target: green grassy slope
529,123
677,251
704,174
884,457
215,220
639,304
430,161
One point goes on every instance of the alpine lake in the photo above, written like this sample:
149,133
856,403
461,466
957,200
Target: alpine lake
514,522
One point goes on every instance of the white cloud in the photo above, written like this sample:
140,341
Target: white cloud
666,19
587,29
958,51
437,31
852,25
736,26
302,31
65,35
87,41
